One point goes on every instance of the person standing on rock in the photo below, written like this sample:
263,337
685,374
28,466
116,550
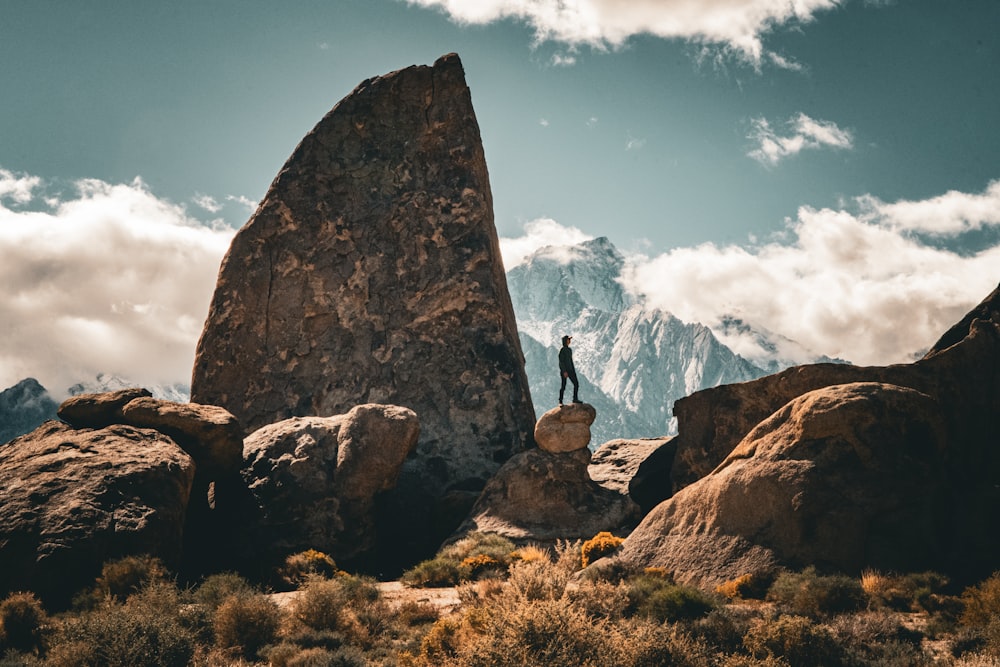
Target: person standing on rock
567,371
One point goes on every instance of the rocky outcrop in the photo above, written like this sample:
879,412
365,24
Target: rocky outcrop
371,273
565,428
99,410
842,478
211,435
73,499
925,439
539,496
315,480
615,464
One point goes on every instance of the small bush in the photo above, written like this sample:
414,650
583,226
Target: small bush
600,545
745,587
122,636
662,600
246,623
982,602
795,639
909,592
490,544
809,594
433,573
475,567
22,623
306,564
214,590
536,581
530,554
125,576
412,614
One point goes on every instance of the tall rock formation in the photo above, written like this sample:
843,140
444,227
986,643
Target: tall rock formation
371,273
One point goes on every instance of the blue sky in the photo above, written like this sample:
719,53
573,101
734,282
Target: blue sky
813,167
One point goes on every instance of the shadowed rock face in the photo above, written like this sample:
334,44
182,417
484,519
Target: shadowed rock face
74,499
371,273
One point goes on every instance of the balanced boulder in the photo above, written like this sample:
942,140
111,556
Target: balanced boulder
98,410
565,428
73,499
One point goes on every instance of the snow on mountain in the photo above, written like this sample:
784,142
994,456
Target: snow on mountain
179,393
634,361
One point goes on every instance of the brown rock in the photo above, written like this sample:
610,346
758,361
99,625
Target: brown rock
843,478
98,410
73,499
540,496
315,479
615,463
371,273
565,428
211,435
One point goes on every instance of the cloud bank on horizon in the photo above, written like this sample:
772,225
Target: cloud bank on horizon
108,279
111,278
867,285
736,26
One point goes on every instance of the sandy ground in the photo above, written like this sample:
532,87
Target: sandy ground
445,600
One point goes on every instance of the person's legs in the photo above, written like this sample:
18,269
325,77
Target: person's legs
576,387
562,388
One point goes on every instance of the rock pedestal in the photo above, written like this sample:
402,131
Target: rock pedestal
565,428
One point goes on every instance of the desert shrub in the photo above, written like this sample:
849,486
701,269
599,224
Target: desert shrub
722,628
614,570
908,592
745,587
877,637
215,588
600,599
740,660
412,614
599,546
537,580
348,605
305,564
23,623
530,553
663,600
433,573
246,623
475,567
474,544
982,602
796,639
125,576
122,636
807,593
567,556
649,644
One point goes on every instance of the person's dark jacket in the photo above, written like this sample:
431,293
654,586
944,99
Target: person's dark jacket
566,360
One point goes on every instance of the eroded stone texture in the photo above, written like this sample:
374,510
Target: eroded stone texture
844,478
315,480
540,496
73,499
371,273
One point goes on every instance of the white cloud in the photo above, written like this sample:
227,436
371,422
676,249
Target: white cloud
736,25
538,234
206,202
17,188
110,279
849,285
563,60
544,122
246,202
805,133
950,214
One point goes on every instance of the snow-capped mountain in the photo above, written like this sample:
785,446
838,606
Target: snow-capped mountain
634,361
27,404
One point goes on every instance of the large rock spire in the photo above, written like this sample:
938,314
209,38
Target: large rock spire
371,273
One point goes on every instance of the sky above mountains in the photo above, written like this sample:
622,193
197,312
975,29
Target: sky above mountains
826,169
